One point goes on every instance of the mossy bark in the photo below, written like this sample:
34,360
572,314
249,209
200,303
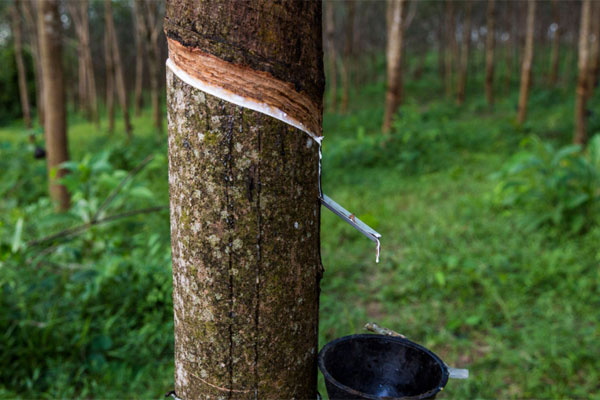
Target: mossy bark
245,209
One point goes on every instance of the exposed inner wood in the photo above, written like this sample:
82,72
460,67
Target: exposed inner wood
253,86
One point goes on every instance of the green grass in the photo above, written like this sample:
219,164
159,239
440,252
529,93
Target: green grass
457,273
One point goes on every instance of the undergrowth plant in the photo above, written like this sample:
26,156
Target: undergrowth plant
559,187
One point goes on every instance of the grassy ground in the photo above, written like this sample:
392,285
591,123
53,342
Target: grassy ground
457,274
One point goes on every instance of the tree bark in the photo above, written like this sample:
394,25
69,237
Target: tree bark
245,211
581,94
119,80
153,51
490,41
347,61
395,39
31,26
332,75
464,56
554,51
55,126
527,62
22,77
594,48
87,80
450,46
110,75
140,54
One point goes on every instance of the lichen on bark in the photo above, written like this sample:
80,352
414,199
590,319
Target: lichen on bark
245,243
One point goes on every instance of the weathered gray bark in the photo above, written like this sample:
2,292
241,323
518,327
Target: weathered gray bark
55,126
527,62
464,55
244,208
395,39
581,94
18,42
489,51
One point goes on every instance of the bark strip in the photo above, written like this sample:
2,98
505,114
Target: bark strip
279,99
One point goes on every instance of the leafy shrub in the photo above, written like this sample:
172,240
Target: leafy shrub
555,187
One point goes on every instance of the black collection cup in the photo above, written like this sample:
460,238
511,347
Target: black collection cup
380,367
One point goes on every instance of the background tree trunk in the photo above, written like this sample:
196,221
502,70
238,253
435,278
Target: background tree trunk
22,74
554,52
594,48
244,207
31,23
140,54
87,80
347,61
450,45
110,74
55,126
153,51
490,41
330,37
119,80
580,134
527,62
393,95
464,56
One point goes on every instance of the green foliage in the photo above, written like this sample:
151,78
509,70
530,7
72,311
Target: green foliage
89,314
10,107
557,187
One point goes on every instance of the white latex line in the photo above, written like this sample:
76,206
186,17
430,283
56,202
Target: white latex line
280,115
239,100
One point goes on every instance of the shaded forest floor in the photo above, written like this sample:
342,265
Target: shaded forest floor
458,273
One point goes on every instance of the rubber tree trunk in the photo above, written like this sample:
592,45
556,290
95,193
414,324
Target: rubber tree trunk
450,46
110,75
55,126
245,211
153,51
118,78
395,39
347,59
510,45
331,49
554,50
464,55
87,80
583,64
30,15
527,62
594,67
140,54
21,72
490,41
